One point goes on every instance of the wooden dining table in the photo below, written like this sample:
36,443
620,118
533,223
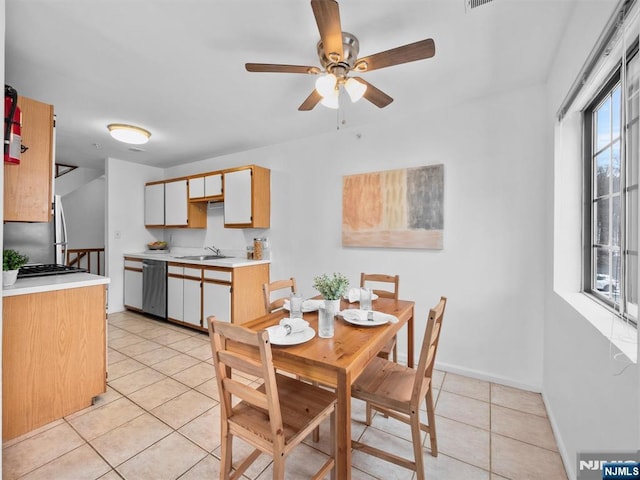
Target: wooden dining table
338,361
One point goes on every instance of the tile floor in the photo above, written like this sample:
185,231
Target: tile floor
160,420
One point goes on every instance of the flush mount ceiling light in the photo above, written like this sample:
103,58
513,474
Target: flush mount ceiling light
129,133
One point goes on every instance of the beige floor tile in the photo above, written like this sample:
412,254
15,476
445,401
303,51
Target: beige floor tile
184,408
113,356
498,477
131,438
37,450
109,396
209,388
111,475
158,393
522,461
125,340
135,381
204,430
139,348
115,332
157,355
165,460
208,467
202,353
303,462
517,399
240,451
437,378
196,375
122,368
175,364
170,337
377,467
190,343
154,331
467,386
464,409
464,442
98,422
32,433
83,462
444,467
522,426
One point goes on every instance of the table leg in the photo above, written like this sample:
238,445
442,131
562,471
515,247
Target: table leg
410,341
343,433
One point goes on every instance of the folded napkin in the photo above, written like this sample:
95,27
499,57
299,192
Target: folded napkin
307,305
353,295
360,316
280,331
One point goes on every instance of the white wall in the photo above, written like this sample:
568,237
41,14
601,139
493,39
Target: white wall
593,402
125,220
84,210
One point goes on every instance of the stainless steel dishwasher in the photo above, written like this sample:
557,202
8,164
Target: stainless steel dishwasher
154,287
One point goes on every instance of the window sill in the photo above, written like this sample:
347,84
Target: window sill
622,335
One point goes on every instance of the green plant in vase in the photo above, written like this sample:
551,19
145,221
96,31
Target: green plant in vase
331,287
13,260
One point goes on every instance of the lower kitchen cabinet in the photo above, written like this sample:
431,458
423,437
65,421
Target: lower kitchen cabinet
54,359
133,283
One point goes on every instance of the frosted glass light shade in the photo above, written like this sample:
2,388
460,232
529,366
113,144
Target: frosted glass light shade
355,89
129,133
326,84
331,101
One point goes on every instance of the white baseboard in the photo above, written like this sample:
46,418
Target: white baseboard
569,463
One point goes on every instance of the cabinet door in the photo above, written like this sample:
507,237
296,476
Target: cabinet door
154,204
175,298
197,187
216,300
133,289
28,186
175,202
237,197
213,185
192,299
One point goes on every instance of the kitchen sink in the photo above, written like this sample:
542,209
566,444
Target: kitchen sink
203,257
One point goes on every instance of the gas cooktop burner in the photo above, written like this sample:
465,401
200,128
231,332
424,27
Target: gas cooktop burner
47,269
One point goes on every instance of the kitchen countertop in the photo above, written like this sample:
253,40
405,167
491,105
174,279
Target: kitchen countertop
231,262
49,283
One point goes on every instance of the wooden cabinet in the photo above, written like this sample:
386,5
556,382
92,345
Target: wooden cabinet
206,187
53,356
154,205
28,186
177,211
133,283
231,294
247,194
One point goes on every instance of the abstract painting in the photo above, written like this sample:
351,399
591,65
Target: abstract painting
401,208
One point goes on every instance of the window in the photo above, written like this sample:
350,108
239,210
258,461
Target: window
611,173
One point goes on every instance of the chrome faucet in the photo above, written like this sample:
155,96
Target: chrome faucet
214,249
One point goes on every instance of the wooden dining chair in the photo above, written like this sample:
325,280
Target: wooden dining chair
376,279
269,288
273,418
397,391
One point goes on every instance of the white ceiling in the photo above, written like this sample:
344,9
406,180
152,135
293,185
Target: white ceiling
176,67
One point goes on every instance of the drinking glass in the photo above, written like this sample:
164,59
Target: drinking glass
295,305
326,319
365,298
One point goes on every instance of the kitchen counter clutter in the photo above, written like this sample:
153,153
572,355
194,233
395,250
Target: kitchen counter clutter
229,288
53,349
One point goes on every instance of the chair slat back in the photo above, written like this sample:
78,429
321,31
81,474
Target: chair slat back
227,363
378,278
428,351
269,288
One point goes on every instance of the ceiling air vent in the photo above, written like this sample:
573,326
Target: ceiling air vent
469,4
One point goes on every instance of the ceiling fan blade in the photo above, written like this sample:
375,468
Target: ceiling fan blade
327,15
407,53
375,95
276,68
311,101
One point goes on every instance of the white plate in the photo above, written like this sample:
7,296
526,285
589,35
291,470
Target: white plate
296,338
373,297
307,305
378,319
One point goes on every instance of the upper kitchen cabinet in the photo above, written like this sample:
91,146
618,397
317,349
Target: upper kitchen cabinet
167,205
154,205
206,187
247,197
28,186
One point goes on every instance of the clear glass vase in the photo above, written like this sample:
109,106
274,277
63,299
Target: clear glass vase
326,318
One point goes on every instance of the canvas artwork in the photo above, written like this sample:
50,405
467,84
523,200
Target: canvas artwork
401,208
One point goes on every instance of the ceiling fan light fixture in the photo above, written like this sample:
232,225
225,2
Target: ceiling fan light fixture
129,133
332,100
326,85
355,89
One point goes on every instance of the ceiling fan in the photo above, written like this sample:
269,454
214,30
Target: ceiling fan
338,54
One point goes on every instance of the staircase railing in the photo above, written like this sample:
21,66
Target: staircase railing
92,259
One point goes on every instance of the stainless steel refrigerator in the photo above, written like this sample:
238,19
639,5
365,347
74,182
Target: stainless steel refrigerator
44,242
